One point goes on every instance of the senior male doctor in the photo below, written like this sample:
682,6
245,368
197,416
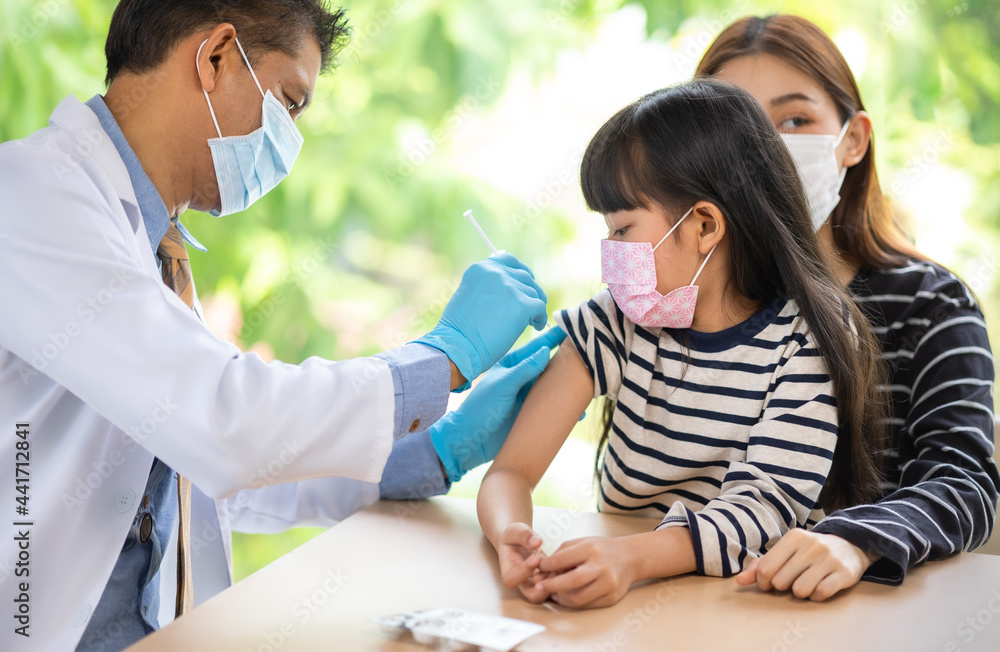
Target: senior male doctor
128,425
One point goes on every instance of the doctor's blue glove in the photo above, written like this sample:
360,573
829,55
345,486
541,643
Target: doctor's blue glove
496,299
474,433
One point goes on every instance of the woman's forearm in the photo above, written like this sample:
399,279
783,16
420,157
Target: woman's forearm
504,498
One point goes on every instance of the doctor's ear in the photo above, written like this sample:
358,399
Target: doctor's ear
710,224
215,55
856,140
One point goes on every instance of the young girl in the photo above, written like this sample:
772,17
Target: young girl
738,369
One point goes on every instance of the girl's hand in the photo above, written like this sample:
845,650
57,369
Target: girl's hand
812,565
591,572
519,553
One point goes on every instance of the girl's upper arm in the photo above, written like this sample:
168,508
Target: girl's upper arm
551,409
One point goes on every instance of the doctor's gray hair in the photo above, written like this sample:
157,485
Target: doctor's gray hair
143,32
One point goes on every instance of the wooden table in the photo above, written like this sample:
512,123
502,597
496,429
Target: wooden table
397,556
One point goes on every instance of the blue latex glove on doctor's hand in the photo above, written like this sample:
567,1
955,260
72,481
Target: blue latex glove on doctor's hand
474,433
497,298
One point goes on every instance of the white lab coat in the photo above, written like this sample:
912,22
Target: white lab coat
110,369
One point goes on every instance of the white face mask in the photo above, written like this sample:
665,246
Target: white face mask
815,157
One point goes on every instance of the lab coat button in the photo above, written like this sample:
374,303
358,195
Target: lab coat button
124,500
81,616
415,425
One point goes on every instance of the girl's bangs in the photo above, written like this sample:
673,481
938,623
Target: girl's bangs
613,172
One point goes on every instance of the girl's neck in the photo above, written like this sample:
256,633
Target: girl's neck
719,312
719,307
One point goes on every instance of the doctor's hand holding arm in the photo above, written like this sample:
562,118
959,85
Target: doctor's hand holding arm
474,331
473,434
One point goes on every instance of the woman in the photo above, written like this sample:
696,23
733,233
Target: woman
940,482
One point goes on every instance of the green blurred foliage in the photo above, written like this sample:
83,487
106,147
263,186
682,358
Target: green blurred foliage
360,248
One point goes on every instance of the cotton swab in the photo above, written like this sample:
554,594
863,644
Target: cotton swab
468,214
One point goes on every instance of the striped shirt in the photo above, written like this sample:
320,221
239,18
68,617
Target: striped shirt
941,481
730,434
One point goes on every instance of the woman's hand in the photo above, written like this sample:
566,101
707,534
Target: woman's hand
812,565
588,573
519,553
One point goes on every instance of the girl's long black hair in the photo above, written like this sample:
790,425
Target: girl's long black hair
709,140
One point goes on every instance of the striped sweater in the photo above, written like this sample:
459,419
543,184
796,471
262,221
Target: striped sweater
729,434
941,482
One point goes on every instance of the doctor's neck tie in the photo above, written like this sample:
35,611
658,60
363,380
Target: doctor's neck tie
176,271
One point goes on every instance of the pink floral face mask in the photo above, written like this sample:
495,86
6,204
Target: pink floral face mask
629,269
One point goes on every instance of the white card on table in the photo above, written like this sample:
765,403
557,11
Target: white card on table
461,627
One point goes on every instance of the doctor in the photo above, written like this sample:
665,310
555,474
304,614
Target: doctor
137,430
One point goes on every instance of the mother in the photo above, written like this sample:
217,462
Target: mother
940,488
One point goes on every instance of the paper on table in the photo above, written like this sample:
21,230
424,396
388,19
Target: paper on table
466,628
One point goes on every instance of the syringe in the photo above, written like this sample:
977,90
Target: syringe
489,244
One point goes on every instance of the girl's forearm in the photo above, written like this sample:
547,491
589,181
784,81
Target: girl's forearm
549,412
504,498
662,553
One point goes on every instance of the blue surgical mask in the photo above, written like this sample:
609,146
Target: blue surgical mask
248,167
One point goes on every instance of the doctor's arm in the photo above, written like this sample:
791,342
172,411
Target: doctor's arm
460,441
135,351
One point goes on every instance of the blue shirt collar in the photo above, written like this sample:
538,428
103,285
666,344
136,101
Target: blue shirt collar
151,206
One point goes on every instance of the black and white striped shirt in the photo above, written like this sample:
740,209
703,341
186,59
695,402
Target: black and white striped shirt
941,481
730,434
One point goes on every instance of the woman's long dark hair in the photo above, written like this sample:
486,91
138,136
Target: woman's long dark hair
711,141
863,226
